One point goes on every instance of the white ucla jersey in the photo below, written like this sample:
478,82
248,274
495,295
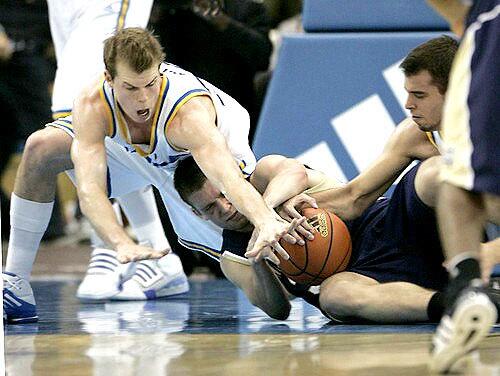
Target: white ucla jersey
131,167
179,86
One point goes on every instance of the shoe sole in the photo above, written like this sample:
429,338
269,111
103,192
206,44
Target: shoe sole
21,320
471,325
177,289
94,297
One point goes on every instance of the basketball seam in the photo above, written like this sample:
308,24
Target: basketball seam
345,255
317,277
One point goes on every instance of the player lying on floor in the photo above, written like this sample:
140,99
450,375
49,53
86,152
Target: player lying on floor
395,271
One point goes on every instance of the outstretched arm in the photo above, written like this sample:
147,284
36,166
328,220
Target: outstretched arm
405,144
88,154
194,129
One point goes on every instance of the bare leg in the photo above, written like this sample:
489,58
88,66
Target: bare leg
46,154
461,217
352,295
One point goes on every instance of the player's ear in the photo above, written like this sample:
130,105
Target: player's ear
108,77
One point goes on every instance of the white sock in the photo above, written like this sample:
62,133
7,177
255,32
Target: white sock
142,213
28,222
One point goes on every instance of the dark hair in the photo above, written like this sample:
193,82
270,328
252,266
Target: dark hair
188,178
138,47
435,56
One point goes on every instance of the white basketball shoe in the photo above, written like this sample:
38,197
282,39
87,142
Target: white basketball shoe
104,276
155,279
461,330
19,305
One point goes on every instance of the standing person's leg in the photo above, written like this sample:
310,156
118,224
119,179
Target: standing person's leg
46,154
471,170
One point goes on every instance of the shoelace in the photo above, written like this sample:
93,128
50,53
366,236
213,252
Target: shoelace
9,283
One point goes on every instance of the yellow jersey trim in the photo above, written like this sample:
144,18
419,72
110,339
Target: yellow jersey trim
180,102
152,138
430,136
122,15
60,114
199,247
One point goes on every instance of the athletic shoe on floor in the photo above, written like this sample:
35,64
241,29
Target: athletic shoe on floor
19,305
461,330
104,276
155,279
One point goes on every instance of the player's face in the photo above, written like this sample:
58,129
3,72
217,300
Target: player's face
137,93
425,102
210,203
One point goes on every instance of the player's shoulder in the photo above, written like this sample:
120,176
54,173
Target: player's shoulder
90,97
408,133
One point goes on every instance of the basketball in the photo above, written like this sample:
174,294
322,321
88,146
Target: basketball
328,253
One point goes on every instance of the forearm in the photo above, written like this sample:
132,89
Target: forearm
259,284
272,298
97,208
219,167
284,186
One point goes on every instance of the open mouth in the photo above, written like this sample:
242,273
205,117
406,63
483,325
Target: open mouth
143,113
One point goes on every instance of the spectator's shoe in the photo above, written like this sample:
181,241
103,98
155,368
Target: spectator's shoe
19,305
104,276
461,329
155,279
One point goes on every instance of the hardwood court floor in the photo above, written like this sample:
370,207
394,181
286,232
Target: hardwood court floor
212,330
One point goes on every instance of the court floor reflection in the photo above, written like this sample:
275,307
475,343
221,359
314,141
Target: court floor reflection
212,330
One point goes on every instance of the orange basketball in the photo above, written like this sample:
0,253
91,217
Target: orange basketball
328,253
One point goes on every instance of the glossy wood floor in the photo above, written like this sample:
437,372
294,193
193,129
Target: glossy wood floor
213,330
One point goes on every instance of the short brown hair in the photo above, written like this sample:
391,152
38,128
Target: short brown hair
435,56
188,178
138,47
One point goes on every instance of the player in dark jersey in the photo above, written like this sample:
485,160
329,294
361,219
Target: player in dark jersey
470,192
395,269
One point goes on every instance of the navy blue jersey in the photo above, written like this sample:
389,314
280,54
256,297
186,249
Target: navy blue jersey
394,240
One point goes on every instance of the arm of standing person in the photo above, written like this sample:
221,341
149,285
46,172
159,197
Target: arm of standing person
88,154
193,128
453,11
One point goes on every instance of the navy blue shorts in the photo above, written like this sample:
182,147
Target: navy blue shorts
471,120
397,239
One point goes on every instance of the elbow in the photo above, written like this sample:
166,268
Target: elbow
280,312
275,310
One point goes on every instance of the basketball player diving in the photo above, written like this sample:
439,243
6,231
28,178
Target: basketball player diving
426,70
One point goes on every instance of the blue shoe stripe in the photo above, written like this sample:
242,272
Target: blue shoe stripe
141,270
101,267
97,261
148,267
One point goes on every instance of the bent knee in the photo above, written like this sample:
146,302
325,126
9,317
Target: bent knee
47,145
427,181
339,298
